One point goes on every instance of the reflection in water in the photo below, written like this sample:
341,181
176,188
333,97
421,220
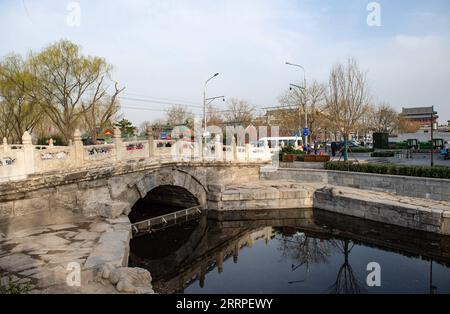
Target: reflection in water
346,281
328,254
303,250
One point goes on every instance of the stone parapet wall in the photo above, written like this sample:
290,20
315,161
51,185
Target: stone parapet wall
112,190
19,161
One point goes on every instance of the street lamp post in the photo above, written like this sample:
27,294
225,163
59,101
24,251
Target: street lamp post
204,104
302,89
432,137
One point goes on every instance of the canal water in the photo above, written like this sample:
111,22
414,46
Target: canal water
326,253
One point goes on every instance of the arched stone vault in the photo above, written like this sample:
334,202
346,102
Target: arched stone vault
125,191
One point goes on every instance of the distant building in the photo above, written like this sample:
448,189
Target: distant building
420,115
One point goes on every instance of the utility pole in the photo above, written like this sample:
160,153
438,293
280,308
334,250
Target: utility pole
204,105
432,136
303,90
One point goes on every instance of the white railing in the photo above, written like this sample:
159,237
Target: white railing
19,160
98,153
53,158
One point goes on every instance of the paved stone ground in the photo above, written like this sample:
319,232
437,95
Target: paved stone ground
40,258
393,199
411,212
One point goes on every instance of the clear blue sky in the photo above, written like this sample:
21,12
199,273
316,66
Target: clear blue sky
167,49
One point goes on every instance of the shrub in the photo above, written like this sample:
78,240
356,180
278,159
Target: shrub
440,172
360,150
383,154
291,150
10,287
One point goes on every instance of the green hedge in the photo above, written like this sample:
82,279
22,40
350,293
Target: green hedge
360,150
441,172
291,150
383,154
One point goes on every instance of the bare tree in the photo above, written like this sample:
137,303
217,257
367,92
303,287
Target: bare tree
298,101
100,115
367,122
177,115
144,127
386,118
407,126
239,112
214,115
347,98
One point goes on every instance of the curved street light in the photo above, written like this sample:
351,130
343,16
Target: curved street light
302,89
204,104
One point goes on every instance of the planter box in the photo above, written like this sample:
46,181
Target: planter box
289,158
317,158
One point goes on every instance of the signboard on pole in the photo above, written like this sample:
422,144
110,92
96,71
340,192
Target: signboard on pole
305,132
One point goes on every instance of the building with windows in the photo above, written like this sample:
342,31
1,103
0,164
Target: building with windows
420,115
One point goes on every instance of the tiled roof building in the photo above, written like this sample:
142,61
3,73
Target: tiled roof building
421,115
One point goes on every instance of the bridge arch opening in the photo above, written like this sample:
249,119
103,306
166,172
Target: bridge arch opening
162,200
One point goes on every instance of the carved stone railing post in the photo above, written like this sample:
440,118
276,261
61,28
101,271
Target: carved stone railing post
267,155
151,143
78,148
218,150
118,143
5,145
28,153
247,152
234,149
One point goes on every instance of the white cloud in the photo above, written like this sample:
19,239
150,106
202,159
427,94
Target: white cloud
168,48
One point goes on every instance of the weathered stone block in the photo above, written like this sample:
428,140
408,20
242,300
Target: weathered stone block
112,209
6,210
28,206
445,229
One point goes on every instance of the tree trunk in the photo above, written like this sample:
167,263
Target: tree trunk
345,147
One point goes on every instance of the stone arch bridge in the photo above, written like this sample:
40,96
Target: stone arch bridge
111,190
107,180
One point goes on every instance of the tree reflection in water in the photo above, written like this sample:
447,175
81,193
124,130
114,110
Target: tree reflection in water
346,282
306,250
303,249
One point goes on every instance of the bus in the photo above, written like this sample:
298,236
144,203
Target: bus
275,143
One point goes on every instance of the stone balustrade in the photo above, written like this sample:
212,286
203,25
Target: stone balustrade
18,161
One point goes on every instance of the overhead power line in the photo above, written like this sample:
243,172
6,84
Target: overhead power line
158,102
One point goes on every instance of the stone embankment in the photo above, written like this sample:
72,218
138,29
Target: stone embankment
416,203
85,256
